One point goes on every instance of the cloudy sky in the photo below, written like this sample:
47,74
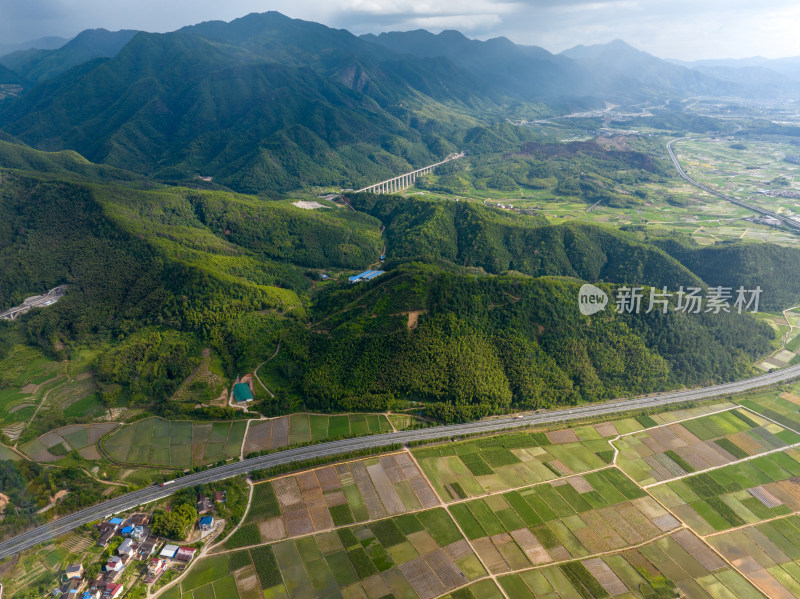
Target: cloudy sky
684,29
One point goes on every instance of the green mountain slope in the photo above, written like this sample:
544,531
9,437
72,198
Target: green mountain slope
179,104
483,344
16,155
477,312
37,65
774,268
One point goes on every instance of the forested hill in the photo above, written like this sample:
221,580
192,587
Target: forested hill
496,241
266,104
246,103
774,268
477,312
483,344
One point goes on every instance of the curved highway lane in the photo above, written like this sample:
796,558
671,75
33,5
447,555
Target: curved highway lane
129,501
791,223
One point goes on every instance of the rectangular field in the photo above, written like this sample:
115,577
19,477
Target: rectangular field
572,518
337,495
175,443
414,555
475,468
311,428
735,495
674,450
675,565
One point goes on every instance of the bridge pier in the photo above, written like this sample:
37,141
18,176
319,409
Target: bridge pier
406,180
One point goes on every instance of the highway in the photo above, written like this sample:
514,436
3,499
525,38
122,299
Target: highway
36,301
792,224
129,501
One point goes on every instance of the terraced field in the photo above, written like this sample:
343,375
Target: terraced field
31,384
56,444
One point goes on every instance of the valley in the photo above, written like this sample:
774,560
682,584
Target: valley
200,203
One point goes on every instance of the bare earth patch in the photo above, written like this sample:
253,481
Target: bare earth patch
413,318
306,205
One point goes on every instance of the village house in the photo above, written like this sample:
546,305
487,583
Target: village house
185,554
169,551
74,571
206,523
155,568
113,591
147,549
128,548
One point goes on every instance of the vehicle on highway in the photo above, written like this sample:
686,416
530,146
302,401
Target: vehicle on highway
165,483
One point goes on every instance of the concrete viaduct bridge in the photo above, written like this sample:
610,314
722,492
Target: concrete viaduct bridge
407,180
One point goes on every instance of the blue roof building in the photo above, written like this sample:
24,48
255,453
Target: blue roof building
115,521
127,530
367,275
206,523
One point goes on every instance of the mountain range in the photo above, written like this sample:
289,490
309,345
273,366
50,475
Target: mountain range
266,103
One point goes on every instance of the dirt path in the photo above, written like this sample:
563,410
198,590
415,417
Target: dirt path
255,372
41,403
101,481
244,515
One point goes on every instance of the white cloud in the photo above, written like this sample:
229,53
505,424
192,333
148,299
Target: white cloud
668,28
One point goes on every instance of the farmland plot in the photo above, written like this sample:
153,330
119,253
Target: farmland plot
577,517
494,464
317,500
735,495
674,450
675,565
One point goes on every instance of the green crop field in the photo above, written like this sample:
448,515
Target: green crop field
776,408
734,495
395,556
176,444
666,452
774,550
29,379
583,515
330,496
313,428
675,565
474,468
